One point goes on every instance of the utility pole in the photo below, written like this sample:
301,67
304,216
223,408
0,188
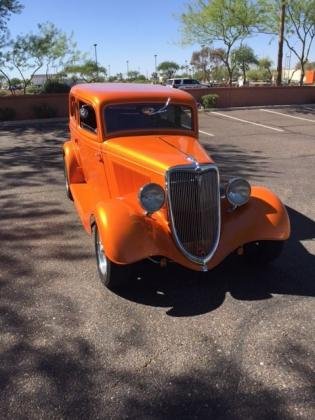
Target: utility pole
280,42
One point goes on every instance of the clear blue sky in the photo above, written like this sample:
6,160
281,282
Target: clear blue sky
123,30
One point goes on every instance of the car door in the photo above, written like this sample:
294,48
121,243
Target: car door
88,139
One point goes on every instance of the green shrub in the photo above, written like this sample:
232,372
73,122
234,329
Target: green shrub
44,111
209,101
7,114
54,86
33,90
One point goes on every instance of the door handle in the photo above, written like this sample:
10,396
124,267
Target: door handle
99,156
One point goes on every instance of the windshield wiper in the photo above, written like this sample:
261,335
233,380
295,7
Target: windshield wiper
150,111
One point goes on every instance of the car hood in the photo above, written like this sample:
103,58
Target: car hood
159,152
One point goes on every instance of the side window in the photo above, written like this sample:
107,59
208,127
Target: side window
87,117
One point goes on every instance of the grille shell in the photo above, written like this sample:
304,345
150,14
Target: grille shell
193,194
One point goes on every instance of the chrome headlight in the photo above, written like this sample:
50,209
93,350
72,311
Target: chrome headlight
151,197
238,191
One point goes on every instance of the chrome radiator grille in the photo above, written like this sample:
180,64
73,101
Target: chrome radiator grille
194,207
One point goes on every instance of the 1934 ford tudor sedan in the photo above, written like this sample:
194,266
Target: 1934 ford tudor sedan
145,187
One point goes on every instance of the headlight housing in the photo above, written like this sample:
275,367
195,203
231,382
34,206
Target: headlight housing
238,191
151,197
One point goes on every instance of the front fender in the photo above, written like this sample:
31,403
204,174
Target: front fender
126,235
264,217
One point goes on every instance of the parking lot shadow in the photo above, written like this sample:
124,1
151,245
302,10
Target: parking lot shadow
189,293
234,161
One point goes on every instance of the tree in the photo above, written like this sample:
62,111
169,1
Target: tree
7,7
225,21
262,72
135,76
282,8
243,57
168,68
201,60
88,71
29,53
299,26
220,56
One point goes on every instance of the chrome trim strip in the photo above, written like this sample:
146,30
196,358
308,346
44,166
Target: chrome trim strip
193,168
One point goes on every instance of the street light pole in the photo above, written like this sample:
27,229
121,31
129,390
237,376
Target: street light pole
155,56
155,69
95,52
127,62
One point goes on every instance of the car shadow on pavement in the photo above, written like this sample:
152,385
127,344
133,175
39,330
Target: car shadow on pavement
189,293
235,161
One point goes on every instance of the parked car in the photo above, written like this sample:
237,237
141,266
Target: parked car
146,188
185,84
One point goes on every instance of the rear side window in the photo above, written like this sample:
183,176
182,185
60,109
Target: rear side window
87,117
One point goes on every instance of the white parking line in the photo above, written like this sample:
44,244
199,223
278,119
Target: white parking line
247,122
287,115
207,134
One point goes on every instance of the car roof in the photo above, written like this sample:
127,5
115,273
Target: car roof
116,92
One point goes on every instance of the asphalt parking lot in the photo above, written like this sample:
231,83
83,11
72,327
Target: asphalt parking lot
235,343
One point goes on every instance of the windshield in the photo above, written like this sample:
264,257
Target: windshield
147,116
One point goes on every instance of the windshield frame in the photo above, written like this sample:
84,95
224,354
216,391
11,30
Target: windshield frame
158,131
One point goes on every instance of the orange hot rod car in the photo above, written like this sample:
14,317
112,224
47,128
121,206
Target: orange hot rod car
142,182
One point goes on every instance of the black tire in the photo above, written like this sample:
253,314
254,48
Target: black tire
68,191
263,252
113,276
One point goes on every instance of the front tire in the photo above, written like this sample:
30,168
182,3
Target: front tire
113,276
263,252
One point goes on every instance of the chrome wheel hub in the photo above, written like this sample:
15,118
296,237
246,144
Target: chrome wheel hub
102,260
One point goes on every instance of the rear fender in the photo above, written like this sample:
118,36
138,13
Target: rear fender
74,170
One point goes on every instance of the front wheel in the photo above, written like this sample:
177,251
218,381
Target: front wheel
263,252
113,276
